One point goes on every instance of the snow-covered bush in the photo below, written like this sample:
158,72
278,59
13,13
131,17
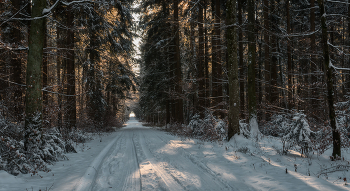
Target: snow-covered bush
278,126
209,128
293,129
79,136
343,121
15,159
299,133
244,129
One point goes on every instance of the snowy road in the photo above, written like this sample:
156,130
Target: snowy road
146,159
140,158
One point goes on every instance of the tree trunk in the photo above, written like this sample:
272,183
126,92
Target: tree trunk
206,60
274,93
233,127
313,63
216,64
348,75
200,64
328,71
241,63
16,64
71,102
33,119
45,73
251,69
289,60
178,72
267,50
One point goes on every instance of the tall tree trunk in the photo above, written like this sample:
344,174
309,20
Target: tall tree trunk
233,127
267,50
241,63
71,102
274,94
200,64
33,119
348,75
313,63
206,60
60,63
289,60
328,71
16,64
178,72
251,70
216,61
45,81
45,73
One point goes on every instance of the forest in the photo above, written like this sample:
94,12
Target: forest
212,69
208,69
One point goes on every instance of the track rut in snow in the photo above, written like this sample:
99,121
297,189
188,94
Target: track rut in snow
147,159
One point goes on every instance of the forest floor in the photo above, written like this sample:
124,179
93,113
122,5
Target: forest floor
142,158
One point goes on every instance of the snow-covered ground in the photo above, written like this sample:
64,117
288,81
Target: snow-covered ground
140,158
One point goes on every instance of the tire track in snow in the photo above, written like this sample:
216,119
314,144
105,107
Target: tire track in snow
133,176
167,179
87,180
208,172
120,168
108,173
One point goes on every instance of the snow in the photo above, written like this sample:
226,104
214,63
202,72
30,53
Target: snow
254,127
141,158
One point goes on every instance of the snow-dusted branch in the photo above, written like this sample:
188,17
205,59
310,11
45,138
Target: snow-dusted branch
48,10
302,34
336,68
337,2
15,14
73,2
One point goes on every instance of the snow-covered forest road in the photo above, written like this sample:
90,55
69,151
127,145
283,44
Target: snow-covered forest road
142,158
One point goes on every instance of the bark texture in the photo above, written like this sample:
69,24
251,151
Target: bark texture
233,127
